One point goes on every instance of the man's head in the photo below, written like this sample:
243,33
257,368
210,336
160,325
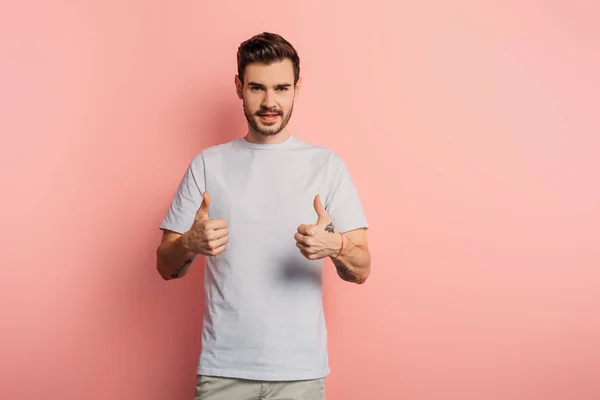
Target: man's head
268,81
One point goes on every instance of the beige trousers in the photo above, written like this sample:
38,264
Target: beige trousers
217,388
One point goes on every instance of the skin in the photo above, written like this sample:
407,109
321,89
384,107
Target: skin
268,88
323,239
208,237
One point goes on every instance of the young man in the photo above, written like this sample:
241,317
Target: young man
265,210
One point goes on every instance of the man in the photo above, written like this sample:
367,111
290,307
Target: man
265,210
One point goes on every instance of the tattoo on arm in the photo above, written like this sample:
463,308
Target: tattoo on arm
345,273
342,270
183,266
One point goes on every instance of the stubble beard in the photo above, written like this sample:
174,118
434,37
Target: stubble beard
251,118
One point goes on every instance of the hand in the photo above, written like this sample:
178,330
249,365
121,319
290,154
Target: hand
206,236
321,239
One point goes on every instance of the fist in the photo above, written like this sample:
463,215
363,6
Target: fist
319,240
206,236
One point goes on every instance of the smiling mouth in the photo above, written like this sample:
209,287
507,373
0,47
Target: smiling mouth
268,117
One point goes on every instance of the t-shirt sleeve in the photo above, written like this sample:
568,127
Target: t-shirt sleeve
187,199
343,202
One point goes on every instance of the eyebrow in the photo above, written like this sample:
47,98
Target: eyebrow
252,83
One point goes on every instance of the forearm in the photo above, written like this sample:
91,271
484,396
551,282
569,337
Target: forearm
173,260
354,263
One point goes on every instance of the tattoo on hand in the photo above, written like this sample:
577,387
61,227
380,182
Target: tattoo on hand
346,274
330,228
185,264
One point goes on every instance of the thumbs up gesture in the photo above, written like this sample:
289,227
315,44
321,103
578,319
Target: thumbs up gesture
206,236
319,240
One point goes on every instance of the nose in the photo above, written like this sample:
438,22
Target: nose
269,100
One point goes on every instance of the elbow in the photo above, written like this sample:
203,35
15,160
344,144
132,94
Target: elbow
365,269
161,272
362,278
159,266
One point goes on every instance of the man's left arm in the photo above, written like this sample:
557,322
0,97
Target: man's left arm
344,229
323,239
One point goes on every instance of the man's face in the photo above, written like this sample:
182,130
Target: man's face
268,93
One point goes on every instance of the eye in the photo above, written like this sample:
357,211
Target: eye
255,88
282,89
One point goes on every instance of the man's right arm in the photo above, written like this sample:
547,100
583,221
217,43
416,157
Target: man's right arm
176,252
173,260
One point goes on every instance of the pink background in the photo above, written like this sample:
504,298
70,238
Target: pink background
472,132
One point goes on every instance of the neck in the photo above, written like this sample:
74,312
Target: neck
254,137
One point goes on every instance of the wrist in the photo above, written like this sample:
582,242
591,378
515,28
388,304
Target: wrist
182,243
337,251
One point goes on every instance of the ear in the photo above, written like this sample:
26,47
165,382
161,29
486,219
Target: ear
298,84
238,87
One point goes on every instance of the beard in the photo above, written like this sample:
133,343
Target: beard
272,130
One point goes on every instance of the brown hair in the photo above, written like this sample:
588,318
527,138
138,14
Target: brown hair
266,48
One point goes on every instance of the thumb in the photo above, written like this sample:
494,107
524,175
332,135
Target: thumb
202,213
323,215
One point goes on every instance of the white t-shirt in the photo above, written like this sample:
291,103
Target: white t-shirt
263,316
